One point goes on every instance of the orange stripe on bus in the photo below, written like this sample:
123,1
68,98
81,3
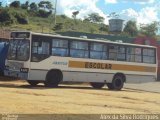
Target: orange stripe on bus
94,65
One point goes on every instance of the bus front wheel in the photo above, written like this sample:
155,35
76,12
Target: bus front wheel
53,78
33,82
97,85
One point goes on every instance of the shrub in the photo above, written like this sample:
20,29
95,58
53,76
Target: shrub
44,14
58,26
15,4
21,18
5,17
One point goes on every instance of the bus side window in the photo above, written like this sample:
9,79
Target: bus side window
79,49
40,50
113,52
149,56
121,56
138,55
98,51
59,47
134,54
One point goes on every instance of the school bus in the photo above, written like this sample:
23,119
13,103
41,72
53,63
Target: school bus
51,59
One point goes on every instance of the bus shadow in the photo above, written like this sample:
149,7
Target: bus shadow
9,82
79,87
7,79
42,87
65,87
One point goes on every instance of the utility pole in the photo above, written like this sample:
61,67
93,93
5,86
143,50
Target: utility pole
55,12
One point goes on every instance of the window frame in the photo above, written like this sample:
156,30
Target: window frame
67,48
125,53
50,39
111,44
88,42
40,39
154,56
134,54
16,48
104,44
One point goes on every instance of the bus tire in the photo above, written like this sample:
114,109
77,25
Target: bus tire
97,85
109,85
33,82
53,78
117,82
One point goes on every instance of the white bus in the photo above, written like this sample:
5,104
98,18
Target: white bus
51,59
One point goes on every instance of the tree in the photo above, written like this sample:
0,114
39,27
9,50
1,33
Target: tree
46,5
25,5
43,13
33,7
5,17
0,4
104,28
95,18
86,19
74,14
150,29
15,4
131,28
113,15
45,8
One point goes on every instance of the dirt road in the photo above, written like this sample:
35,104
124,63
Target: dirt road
19,98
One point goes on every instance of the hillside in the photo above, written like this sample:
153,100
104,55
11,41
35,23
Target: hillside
37,23
38,18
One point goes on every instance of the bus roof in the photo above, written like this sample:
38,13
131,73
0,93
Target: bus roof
86,39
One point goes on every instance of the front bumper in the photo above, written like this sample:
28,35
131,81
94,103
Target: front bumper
17,74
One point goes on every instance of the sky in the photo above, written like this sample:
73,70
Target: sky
141,11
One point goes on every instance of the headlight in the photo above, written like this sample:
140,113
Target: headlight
24,70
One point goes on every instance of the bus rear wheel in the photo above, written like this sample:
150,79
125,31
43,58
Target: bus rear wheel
33,82
97,85
53,78
117,83
110,86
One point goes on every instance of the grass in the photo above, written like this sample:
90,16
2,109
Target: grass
39,24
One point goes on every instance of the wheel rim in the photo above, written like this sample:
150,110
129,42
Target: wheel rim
118,82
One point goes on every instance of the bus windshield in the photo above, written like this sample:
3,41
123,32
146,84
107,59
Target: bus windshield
18,50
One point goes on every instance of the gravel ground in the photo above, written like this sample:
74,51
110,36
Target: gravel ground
149,87
18,97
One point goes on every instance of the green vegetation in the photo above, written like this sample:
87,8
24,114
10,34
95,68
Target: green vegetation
131,28
150,29
10,16
40,17
94,18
